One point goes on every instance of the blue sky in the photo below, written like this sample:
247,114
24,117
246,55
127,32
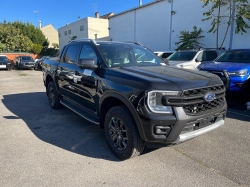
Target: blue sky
60,12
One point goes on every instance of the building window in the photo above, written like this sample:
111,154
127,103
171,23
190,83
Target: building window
59,34
65,33
81,28
69,31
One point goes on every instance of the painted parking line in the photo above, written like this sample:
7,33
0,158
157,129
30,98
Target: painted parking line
238,113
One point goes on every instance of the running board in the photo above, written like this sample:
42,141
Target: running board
81,111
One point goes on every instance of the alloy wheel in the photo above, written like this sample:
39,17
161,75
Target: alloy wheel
118,133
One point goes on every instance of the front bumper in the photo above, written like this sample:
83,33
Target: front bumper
164,129
27,65
5,66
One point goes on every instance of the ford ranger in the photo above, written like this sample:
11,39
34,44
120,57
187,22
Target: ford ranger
131,93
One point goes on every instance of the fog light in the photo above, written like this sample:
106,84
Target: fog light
162,130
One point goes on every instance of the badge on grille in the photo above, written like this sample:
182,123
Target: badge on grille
209,96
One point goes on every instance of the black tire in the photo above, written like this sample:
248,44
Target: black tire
122,134
54,98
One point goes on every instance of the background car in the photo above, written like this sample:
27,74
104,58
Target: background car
233,67
5,62
191,59
24,62
164,54
38,62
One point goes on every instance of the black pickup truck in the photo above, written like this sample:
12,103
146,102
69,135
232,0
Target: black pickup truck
131,93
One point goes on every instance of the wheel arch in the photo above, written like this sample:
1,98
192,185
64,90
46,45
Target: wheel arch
48,79
113,98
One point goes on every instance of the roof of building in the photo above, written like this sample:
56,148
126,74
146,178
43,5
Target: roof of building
138,7
106,16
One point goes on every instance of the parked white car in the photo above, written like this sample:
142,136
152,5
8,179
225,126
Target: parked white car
164,54
191,59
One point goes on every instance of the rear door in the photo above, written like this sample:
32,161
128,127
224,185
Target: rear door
85,81
66,70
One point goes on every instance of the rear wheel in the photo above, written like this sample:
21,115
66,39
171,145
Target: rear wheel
122,134
54,98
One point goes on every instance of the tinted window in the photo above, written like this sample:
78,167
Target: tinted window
88,52
210,55
235,56
124,55
182,56
26,58
166,55
70,56
3,58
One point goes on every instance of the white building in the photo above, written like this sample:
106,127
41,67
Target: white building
94,28
158,24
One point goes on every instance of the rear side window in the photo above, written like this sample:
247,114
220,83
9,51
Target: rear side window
210,55
70,56
166,55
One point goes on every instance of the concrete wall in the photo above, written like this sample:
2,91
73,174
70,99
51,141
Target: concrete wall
51,34
155,26
93,28
98,28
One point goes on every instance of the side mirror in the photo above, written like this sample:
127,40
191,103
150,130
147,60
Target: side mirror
87,63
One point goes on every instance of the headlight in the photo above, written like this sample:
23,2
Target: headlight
154,101
241,73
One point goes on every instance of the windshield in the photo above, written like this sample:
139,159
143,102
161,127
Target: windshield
182,56
241,56
126,55
3,58
26,58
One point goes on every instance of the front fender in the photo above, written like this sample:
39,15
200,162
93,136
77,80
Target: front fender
128,104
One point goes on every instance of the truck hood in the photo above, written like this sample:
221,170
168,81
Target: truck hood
224,66
162,77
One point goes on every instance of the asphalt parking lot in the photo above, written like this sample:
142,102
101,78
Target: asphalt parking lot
40,146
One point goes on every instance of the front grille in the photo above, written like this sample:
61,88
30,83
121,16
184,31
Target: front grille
29,63
203,107
194,103
201,91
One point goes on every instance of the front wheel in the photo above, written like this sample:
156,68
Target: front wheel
122,134
54,98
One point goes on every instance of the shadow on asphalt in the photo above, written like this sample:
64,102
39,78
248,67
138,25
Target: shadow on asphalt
61,128
237,109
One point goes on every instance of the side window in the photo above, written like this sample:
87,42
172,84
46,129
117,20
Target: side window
166,55
70,56
88,52
211,55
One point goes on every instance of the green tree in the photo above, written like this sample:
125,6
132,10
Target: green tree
189,40
2,47
18,36
29,30
36,48
13,40
55,45
237,11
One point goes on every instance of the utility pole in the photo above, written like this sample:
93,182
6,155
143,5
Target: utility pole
37,12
